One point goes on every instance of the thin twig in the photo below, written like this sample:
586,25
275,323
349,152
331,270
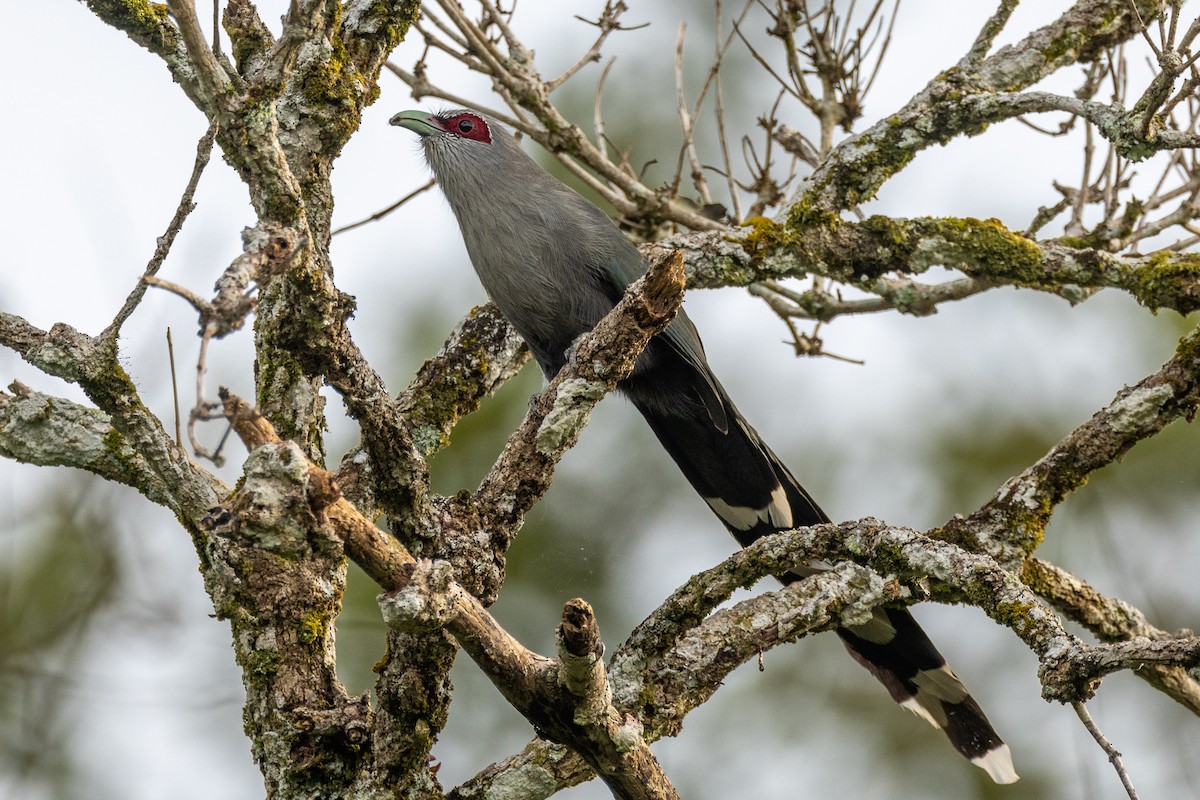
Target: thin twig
174,387
204,410
202,306
422,88
1113,755
1075,226
598,108
689,128
163,246
381,214
607,23
216,28
723,139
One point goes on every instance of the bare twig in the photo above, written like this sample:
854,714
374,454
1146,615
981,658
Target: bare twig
204,410
378,215
598,108
688,125
991,29
212,77
722,137
517,81
163,247
1113,755
608,22
174,388
901,294
197,302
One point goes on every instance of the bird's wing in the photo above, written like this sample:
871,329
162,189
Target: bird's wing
627,265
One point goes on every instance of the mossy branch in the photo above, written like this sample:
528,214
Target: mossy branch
599,361
44,430
168,476
864,254
1110,620
1011,525
678,656
859,166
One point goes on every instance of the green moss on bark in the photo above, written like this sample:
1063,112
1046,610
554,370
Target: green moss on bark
1170,280
148,24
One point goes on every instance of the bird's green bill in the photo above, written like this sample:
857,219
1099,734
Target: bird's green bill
420,122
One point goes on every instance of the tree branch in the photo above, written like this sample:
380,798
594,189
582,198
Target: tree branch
1113,755
1011,525
601,359
856,168
50,431
552,694
92,364
1110,620
186,206
215,84
482,352
863,253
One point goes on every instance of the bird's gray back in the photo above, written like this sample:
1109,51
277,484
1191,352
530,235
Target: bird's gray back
551,260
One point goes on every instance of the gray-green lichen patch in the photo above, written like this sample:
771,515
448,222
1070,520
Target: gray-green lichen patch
870,591
628,734
1021,492
522,783
272,496
570,413
427,603
1141,406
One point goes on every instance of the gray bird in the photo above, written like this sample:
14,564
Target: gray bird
555,264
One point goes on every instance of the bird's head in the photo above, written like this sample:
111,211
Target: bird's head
448,126
466,150
455,130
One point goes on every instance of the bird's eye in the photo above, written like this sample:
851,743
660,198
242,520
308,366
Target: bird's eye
468,127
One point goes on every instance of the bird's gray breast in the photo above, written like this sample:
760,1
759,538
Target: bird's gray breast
542,271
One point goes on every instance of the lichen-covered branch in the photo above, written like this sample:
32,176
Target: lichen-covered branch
1011,525
277,575
1110,620
855,170
283,110
678,656
566,699
380,556
601,359
864,253
412,687
481,353
48,431
92,363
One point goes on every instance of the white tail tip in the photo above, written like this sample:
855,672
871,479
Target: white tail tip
998,764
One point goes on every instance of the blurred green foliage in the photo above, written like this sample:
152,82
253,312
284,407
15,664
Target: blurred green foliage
60,572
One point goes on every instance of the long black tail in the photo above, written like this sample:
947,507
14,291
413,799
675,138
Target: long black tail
754,494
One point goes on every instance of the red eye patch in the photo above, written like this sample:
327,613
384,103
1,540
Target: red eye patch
468,126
